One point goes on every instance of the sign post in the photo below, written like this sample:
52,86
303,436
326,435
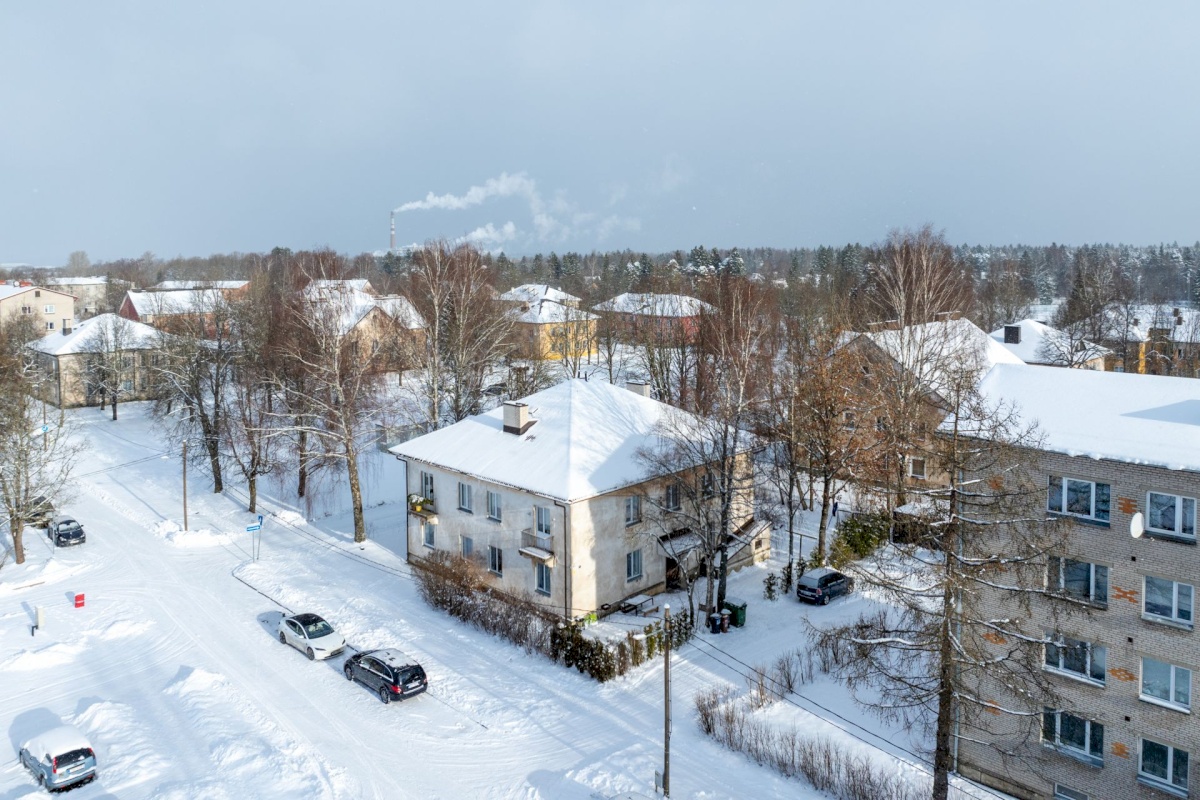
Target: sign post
255,531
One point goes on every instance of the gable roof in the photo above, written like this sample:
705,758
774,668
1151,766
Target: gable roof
1040,344
655,305
584,442
536,292
401,309
1139,419
79,340
547,311
193,284
179,301
7,290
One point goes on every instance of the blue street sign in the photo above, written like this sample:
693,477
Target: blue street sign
260,520
253,528
45,428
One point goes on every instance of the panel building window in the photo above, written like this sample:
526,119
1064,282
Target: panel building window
495,560
1171,514
468,546
493,499
916,468
542,578
430,530
1166,684
633,510
543,521
633,565
1168,600
464,496
427,486
1081,580
671,498
1076,735
1163,765
1084,499
1076,658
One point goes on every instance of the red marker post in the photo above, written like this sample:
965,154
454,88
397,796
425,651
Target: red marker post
79,601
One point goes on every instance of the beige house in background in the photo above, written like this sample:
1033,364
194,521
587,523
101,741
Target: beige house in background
67,361
93,295
53,310
550,496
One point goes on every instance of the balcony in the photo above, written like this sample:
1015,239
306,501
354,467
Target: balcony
422,507
538,546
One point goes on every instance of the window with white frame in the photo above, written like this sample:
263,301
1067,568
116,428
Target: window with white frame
1076,658
427,485
671,498
127,386
1084,499
1082,580
1067,793
468,546
49,309
916,468
633,510
493,499
49,325
1171,514
633,565
495,560
1163,765
464,496
430,531
542,578
543,521
1074,734
1167,599
1166,683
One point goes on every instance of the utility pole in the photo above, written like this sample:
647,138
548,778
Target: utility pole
185,484
667,701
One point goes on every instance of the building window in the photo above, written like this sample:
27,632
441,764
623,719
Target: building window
706,484
542,577
430,529
1079,579
1067,793
468,546
543,520
49,325
633,565
671,500
493,499
1166,683
633,510
49,309
1084,499
1171,514
1076,658
849,420
495,560
126,386
1073,734
1163,765
1168,600
427,486
464,497
881,424
916,468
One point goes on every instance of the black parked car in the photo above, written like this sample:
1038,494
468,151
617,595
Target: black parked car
65,531
387,673
822,584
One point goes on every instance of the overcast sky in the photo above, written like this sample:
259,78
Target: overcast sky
535,126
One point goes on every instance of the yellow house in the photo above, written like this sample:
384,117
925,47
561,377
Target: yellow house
552,331
53,311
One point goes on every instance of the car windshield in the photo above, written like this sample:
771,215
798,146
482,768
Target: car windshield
75,755
68,526
317,629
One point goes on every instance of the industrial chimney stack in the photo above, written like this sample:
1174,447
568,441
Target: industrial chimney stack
393,240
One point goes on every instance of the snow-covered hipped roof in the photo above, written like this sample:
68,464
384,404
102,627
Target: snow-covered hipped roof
88,281
536,292
176,285
179,301
324,286
548,311
1041,344
1139,419
136,336
655,305
584,443
401,309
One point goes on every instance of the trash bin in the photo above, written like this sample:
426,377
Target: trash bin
737,610
725,621
714,623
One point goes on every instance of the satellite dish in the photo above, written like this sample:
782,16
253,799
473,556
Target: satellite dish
1137,525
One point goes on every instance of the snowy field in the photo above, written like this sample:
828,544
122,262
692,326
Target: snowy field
172,668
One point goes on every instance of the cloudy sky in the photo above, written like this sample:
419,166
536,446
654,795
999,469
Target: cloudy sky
534,126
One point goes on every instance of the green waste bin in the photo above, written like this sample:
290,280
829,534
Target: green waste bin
737,611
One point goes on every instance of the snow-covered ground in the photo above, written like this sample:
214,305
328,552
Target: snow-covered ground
172,667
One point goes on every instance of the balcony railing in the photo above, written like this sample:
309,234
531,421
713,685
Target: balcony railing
536,545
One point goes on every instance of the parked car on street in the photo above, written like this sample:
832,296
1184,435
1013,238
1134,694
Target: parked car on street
59,758
387,673
822,585
65,531
311,635
39,512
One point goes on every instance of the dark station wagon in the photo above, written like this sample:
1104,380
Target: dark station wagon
388,673
822,585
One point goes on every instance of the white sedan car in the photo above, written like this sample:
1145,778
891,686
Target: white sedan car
311,635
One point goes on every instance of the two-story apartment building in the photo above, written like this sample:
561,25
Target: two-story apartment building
1120,462
72,361
550,495
52,310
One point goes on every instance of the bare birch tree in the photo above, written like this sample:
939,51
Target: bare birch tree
111,359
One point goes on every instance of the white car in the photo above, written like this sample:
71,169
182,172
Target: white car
311,635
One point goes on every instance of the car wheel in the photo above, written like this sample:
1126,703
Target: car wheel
385,695
825,599
349,670
282,638
311,655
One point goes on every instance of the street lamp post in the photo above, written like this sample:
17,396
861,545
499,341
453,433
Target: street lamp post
185,521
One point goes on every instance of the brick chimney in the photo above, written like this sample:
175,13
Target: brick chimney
516,417
638,388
